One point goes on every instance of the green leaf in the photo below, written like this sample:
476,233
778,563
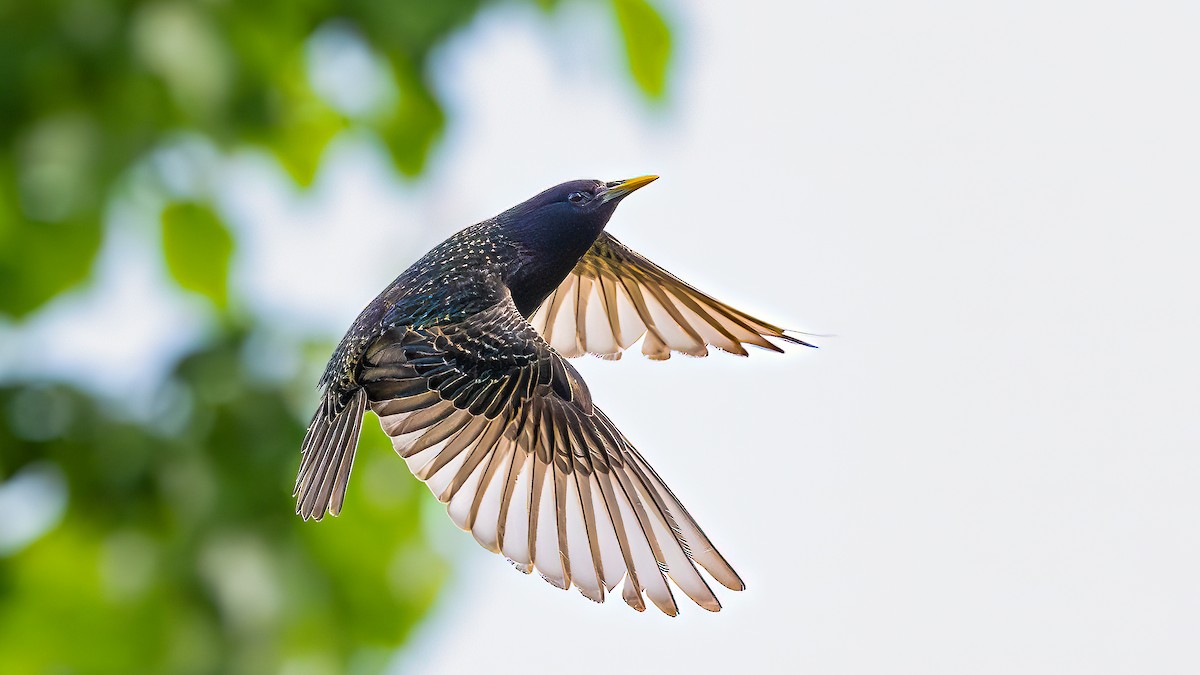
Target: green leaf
647,44
413,127
39,260
303,136
305,126
197,248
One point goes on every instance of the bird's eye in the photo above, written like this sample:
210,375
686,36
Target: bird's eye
577,197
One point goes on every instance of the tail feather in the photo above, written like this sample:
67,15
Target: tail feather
327,455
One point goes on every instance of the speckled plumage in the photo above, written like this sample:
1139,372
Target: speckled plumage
458,278
463,358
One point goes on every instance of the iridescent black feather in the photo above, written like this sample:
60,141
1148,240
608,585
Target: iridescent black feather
463,357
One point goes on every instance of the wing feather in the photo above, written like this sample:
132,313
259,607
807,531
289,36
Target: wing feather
615,296
504,431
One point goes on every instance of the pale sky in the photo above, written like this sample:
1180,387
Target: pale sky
993,466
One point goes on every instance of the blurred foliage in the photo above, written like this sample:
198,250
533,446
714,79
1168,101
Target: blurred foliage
177,552
91,86
173,546
197,248
647,44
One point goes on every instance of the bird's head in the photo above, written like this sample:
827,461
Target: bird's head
568,215
556,227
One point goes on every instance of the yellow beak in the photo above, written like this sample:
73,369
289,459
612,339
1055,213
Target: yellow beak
621,188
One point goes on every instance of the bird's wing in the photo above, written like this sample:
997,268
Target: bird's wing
615,296
502,429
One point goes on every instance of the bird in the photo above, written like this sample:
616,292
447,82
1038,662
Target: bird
464,359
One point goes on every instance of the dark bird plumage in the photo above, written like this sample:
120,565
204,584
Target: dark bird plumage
463,358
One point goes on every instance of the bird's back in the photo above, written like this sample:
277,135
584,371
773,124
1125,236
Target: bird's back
458,278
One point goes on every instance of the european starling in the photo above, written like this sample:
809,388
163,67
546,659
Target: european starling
463,358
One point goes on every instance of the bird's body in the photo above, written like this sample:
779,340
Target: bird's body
463,358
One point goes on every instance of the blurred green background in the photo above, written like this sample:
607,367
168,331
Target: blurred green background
160,537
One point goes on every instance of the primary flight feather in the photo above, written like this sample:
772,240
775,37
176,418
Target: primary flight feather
463,359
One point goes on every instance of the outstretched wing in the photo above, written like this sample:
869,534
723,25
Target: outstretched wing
615,296
503,430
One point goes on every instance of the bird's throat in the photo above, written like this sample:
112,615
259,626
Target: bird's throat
542,271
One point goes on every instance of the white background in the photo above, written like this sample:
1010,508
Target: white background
993,466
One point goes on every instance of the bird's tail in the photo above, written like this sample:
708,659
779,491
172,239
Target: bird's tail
327,454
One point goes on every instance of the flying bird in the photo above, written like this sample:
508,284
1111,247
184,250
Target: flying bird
464,360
